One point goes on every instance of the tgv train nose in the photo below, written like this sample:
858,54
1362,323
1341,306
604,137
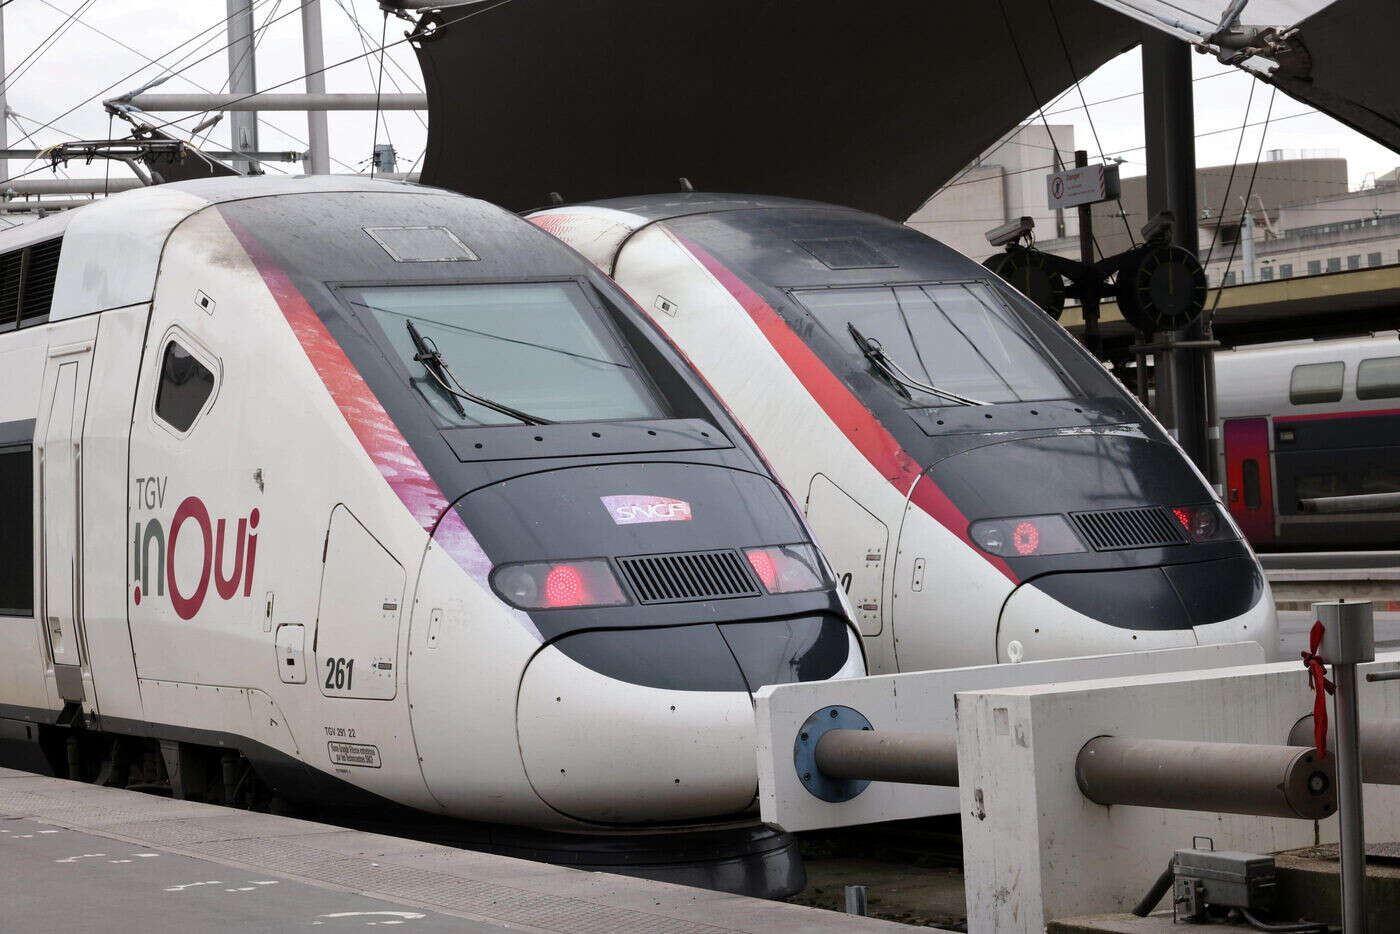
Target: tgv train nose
640,725
1102,612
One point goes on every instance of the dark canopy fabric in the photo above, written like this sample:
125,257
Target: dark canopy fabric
1353,77
871,104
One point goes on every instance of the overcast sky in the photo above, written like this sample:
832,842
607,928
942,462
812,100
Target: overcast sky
107,52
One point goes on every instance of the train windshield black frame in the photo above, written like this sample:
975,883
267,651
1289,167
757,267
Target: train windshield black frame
958,336
540,347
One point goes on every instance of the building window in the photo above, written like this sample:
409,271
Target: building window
1316,382
1354,261
1378,378
1229,278
1314,267
1334,264
1285,271
1373,259
185,385
1266,273
16,531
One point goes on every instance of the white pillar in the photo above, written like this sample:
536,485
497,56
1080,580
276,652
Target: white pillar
4,106
242,79
313,50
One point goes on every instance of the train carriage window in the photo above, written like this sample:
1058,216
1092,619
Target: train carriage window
1312,383
185,385
956,336
1378,378
16,531
1250,470
539,347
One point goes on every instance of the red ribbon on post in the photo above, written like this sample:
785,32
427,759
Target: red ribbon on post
1317,680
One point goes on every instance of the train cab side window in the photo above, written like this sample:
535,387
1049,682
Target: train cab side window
1316,382
185,385
1250,469
1378,378
16,531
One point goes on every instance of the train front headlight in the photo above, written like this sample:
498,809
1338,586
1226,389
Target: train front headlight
1024,536
554,585
1205,523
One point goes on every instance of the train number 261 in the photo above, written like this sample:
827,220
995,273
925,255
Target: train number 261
340,674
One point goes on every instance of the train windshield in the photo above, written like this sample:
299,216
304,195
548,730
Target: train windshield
539,348
958,337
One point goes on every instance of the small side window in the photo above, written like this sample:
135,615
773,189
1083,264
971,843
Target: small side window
1378,378
1316,382
1250,469
16,531
185,385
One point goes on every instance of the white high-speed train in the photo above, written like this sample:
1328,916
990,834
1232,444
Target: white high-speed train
360,492
985,489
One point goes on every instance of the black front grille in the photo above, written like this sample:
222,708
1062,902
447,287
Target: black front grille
694,575
1116,529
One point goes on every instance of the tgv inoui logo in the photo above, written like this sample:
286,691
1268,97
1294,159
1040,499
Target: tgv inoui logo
626,510
154,551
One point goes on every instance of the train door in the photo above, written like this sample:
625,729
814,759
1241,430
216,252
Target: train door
357,624
1248,478
855,542
59,453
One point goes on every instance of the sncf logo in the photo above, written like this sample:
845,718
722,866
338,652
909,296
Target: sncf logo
625,510
226,551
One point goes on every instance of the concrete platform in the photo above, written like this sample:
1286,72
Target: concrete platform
80,857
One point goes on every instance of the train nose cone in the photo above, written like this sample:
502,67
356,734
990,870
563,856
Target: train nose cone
1101,612
630,726
678,746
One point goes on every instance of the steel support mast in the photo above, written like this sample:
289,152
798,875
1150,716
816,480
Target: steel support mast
1185,375
318,160
242,79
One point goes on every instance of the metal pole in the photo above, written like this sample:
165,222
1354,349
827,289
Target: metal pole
1090,308
4,104
242,103
1231,778
314,58
242,79
885,756
1348,639
1169,121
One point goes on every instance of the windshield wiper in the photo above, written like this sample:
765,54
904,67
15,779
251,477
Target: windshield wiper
902,381
428,355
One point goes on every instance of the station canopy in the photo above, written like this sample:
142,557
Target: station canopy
873,104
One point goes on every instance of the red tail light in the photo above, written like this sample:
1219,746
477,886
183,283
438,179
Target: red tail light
1026,538
563,586
762,563
787,568
1183,516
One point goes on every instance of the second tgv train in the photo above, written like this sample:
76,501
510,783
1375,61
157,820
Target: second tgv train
1311,441
985,489
370,493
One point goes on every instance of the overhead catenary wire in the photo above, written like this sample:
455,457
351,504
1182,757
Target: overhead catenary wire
1249,193
1030,84
45,44
1069,61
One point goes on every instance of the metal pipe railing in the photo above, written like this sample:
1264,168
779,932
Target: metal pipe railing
884,756
1380,747
1229,778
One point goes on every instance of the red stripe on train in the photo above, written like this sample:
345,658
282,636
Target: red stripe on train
1325,415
